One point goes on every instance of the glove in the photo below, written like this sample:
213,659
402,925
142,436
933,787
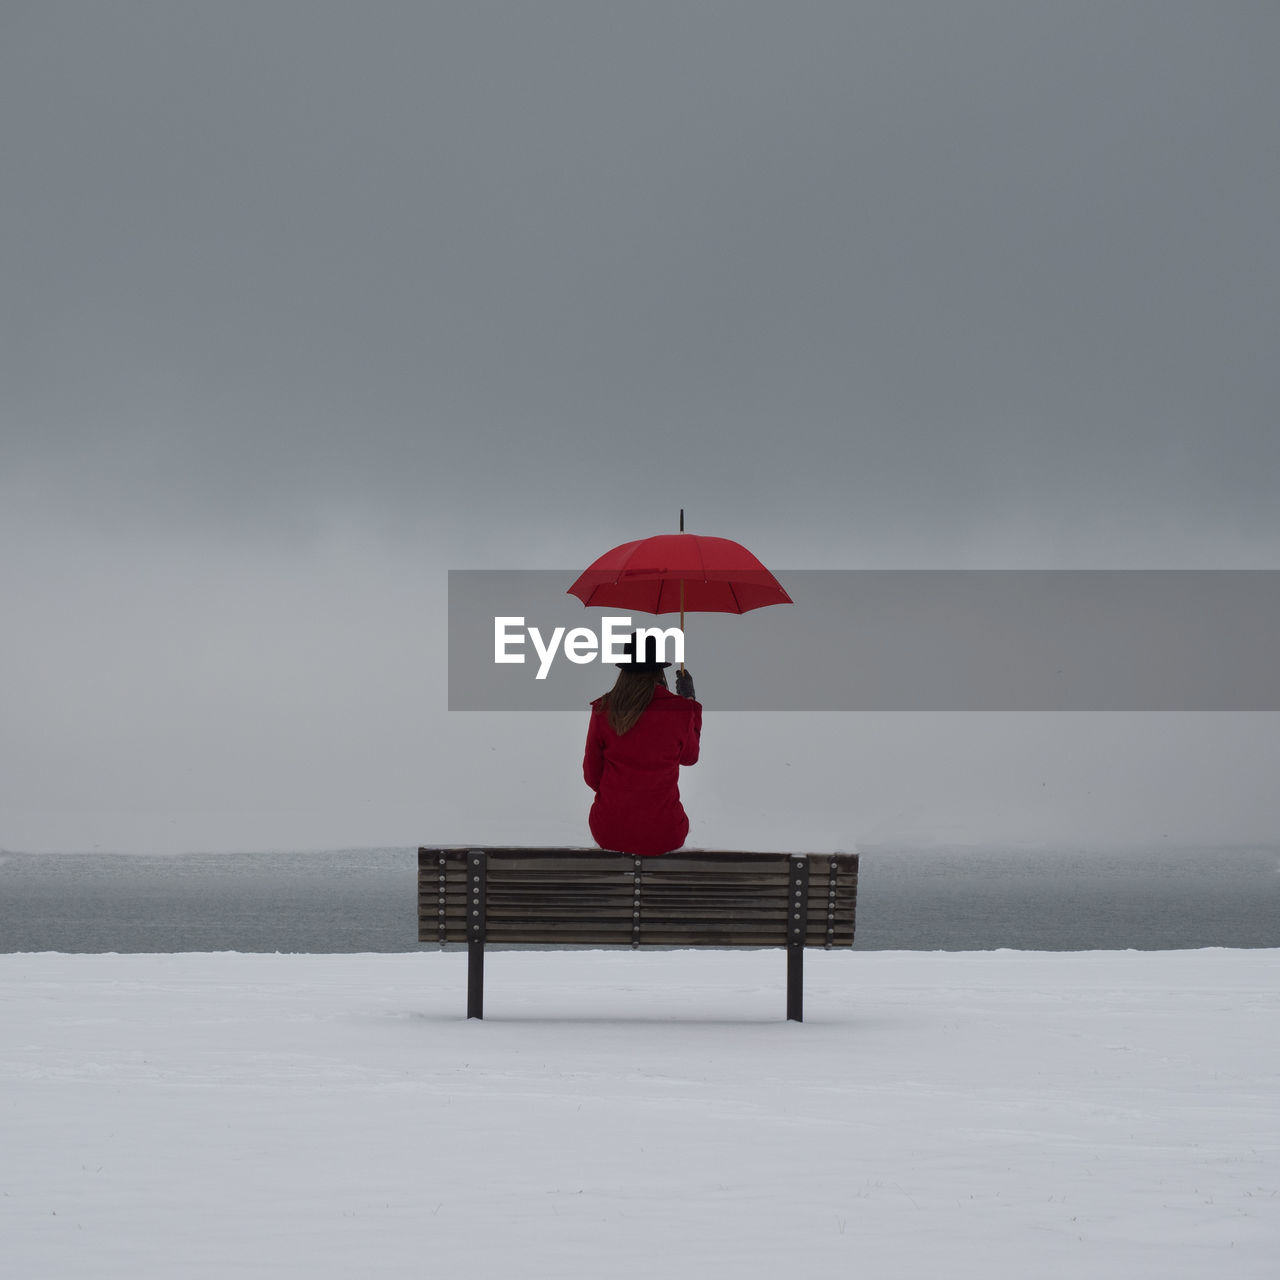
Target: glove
684,684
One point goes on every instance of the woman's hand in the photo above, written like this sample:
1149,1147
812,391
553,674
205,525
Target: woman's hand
684,683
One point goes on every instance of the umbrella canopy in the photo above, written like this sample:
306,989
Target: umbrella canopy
675,572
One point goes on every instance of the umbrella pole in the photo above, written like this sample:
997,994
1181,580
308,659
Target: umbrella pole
682,617
682,591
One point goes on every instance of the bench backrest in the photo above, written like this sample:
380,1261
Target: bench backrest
589,897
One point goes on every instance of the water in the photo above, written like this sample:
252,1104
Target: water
1148,900
366,900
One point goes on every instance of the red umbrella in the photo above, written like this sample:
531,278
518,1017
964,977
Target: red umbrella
675,572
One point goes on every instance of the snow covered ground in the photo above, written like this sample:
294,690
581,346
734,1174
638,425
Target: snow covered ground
987,1114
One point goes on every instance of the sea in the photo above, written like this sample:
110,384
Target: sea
912,899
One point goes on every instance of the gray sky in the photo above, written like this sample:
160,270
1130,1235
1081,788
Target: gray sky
302,304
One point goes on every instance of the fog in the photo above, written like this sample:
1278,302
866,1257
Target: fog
302,306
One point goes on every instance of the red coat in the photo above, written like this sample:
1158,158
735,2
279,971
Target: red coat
635,777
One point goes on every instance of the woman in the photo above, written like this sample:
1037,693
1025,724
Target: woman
640,734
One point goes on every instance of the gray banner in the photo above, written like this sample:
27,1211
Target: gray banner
904,640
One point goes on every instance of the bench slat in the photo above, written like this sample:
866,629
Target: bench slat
651,884
621,937
549,933
670,864
557,880
531,906
719,943
686,919
612,865
775,929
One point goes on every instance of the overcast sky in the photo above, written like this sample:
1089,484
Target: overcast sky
303,304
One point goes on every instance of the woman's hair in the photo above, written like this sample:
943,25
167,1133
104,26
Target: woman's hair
632,692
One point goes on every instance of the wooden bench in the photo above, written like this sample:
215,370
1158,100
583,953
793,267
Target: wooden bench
591,898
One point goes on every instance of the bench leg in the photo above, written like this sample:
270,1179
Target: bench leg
795,982
475,980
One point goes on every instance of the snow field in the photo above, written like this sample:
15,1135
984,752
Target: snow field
984,1114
